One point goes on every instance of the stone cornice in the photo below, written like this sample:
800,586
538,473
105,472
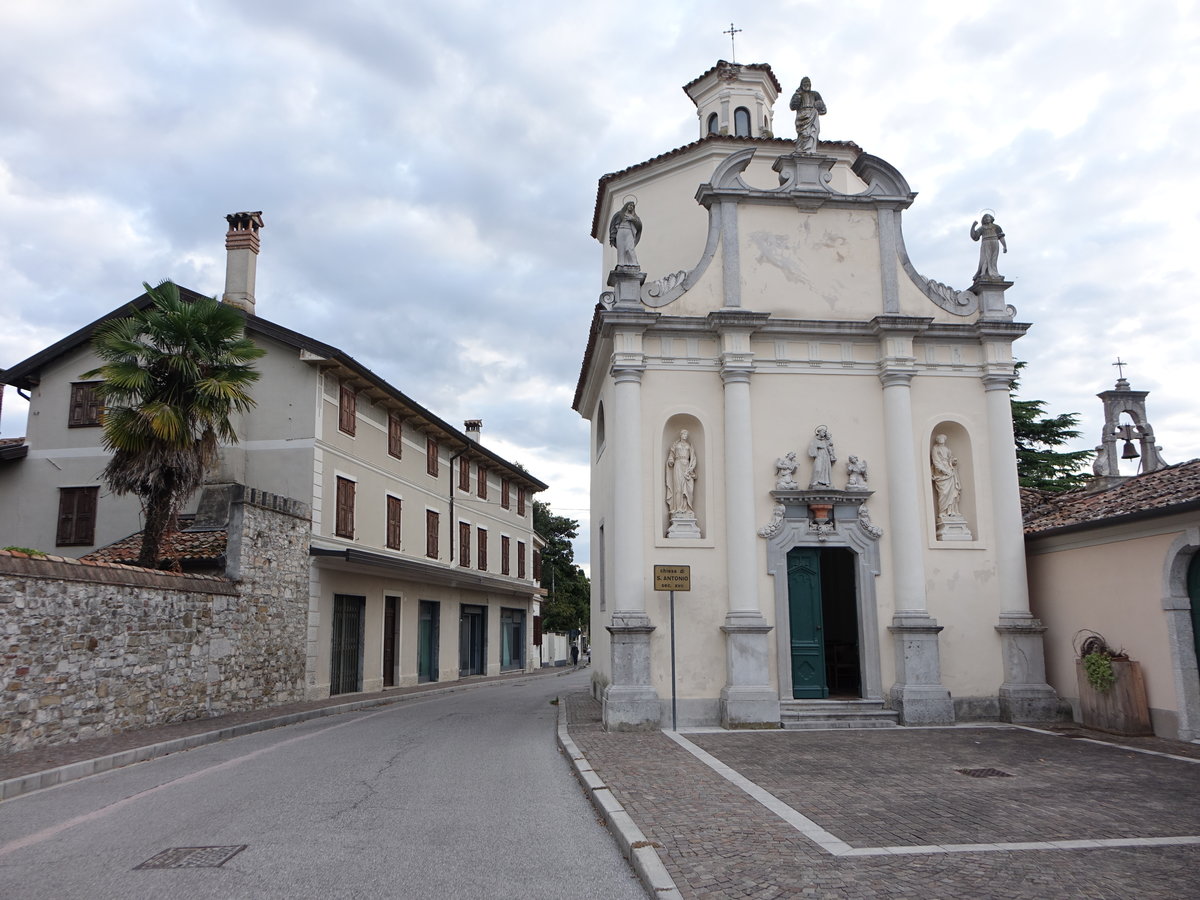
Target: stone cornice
911,325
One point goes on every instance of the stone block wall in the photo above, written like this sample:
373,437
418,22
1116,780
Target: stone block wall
96,649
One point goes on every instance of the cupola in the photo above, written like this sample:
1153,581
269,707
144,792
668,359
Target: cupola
735,99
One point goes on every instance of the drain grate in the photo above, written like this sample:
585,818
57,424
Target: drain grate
192,857
984,773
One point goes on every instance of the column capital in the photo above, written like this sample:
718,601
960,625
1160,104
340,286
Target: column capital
624,372
735,370
998,381
895,377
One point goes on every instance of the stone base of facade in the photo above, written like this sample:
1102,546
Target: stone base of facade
1025,696
630,701
918,694
748,700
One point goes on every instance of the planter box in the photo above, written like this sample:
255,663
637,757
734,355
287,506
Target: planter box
1122,709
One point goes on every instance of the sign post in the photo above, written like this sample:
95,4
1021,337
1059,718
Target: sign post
673,578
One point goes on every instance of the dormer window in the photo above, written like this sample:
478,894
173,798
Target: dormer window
741,122
714,126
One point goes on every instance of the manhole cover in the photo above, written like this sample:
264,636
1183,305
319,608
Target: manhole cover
192,857
983,773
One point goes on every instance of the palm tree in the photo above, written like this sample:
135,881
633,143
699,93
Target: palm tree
173,374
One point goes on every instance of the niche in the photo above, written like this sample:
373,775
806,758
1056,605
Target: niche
682,472
952,483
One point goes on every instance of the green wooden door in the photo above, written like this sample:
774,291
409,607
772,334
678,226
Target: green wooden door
804,613
1194,595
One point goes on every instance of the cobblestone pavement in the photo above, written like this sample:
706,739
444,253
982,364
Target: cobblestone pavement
899,788
40,759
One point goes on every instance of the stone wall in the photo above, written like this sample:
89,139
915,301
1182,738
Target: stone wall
96,649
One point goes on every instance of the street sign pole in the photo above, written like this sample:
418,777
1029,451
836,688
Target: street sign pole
672,579
674,718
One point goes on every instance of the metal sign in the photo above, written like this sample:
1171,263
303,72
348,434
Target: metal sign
672,578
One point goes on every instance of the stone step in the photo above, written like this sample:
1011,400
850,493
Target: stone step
814,714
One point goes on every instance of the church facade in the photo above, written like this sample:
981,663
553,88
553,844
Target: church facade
780,402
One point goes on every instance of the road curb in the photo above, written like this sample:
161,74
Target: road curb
36,781
634,845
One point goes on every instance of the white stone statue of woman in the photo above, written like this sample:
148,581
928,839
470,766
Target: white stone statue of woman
945,478
820,448
624,232
681,476
991,238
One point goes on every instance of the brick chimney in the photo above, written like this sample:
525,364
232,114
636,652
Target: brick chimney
241,245
473,427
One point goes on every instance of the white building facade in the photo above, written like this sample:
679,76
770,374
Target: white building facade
763,302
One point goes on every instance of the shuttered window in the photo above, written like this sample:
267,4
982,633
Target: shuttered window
347,409
431,534
77,516
505,493
537,631
504,554
344,521
395,436
464,544
481,548
481,474
537,566
464,474
431,457
395,508
85,405
520,559
521,501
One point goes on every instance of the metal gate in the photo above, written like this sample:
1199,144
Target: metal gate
345,666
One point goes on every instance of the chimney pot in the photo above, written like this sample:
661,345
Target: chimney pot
473,427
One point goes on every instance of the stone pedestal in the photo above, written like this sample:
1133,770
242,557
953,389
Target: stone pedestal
1025,696
804,172
626,282
918,694
748,700
991,297
683,525
630,701
953,528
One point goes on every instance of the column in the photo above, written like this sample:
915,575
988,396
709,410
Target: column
1024,696
918,692
630,700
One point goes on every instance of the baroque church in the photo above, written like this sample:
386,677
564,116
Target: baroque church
781,402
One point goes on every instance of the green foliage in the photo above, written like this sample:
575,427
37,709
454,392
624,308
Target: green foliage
568,602
26,550
1098,668
1039,464
172,376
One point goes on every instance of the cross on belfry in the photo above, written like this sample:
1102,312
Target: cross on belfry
1120,368
733,33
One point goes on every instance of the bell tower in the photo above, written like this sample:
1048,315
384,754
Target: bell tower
1123,400
735,99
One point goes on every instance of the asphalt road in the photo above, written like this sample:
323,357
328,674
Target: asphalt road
459,795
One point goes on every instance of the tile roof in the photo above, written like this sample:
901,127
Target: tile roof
190,549
1171,490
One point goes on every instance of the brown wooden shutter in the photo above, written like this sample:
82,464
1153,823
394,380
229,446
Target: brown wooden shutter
505,493
431,457
481,548
537,566
520,559
395,509
520,501
76,516
464,474
431,534
481,482
464,544
537,631
347,409
85,405
503,554
395,436
344,521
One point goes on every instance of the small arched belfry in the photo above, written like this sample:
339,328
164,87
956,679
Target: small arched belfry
821,433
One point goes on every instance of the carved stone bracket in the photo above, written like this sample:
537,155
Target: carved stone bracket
825,513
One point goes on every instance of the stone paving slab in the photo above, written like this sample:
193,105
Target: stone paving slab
716,841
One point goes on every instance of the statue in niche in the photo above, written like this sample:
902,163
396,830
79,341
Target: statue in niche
809,108
681,476
991,238
624,232
785,469
945,479
857,470
820,448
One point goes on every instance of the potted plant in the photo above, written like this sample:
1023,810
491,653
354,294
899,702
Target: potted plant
1112,692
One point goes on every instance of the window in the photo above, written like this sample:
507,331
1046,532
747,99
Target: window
77,516
521,501
537,566
464,544
395,436
395,506
85,405
481,474
520,559
512,639
344,520
464,474
431,534
505,493
347,409
431,456
741,122
713,127
481,548
504,554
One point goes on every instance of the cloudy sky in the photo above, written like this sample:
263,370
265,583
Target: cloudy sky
427,173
